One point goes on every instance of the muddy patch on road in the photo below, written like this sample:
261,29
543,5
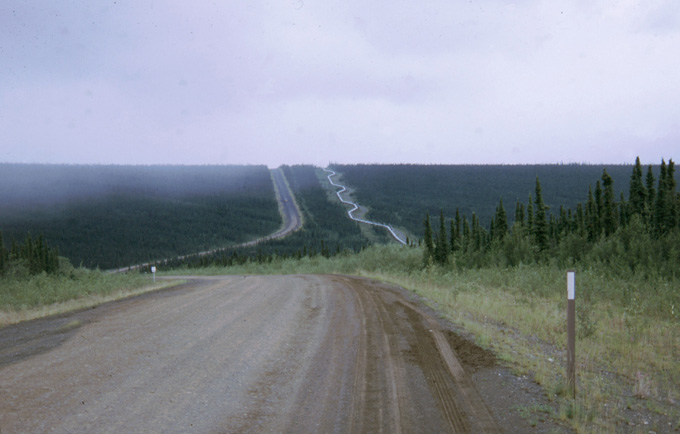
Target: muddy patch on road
470,355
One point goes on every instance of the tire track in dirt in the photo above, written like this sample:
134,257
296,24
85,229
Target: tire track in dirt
377,376
398,338
242,354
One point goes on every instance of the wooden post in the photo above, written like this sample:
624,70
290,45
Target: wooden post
571,333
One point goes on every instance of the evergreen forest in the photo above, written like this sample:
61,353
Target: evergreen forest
115,216
638,234
29,257
327,230
401,194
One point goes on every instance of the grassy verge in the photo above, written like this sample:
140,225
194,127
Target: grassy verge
30,297
628,345
627,369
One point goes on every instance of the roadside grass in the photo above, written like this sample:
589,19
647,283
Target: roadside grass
535,413
29,297
628,343
628,373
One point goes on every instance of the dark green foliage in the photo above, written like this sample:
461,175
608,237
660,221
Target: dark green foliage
619,236
540,226
400,194
33,255
441,251
665,206
500,223
530,215
465,243
519,213
327,230
609,217
599,205
428,240
456,232
114,216
623,211
592,217
637,194
650,196
4,255
660,210
580,223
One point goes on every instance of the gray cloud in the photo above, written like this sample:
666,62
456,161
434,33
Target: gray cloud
300,81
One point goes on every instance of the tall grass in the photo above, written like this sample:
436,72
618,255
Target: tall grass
26,297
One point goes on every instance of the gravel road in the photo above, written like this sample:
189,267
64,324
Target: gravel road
240,354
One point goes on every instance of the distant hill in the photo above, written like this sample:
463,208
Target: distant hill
326,230
113,216
401,194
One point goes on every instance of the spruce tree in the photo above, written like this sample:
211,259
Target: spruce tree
500,223
3,254
666,205
624,211
442,247
42,252
592,217
476,235
519,213
660,209
428,253
599,206
671,198
530,215
14,251
608,212
650,198
53,261
580,220
467,235
553,229
564,222
456,232
571,219
540,222
637,194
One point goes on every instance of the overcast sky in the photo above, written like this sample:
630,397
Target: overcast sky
347,81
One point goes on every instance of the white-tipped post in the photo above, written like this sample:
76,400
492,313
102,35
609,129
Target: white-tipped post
571,332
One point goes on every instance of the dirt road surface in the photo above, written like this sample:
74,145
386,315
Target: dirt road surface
240,354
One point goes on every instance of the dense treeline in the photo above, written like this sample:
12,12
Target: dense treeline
115,216
327,230
399,194
32,256
640,234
